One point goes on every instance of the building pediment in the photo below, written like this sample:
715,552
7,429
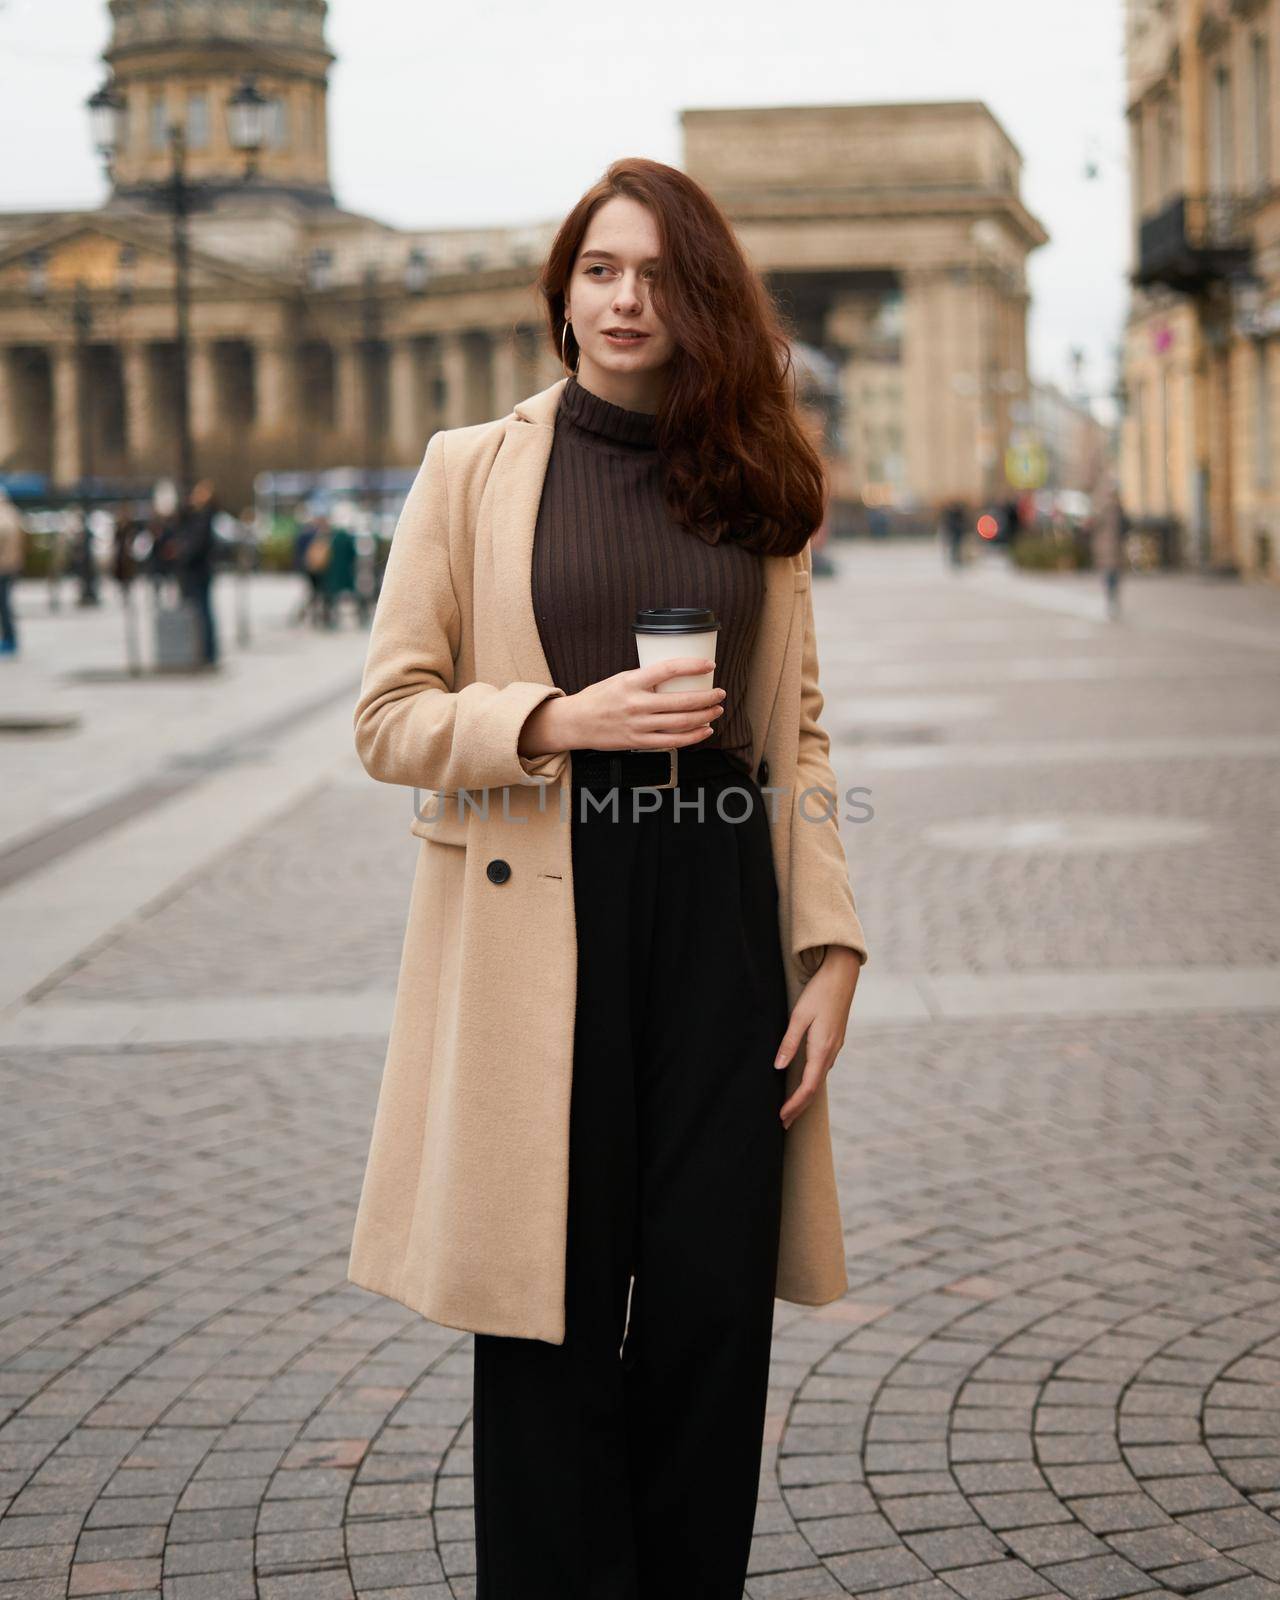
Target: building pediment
106,252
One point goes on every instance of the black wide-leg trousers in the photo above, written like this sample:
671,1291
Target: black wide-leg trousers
612,1469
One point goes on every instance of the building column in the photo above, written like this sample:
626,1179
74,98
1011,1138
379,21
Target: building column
946,374
454,365
67,444
408,428
349,397
202,388
10,441
141,442
275,381
506,372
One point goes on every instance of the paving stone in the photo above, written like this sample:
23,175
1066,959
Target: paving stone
878,1569
1008,1579
1064,1541
101,1577
1098,1578
1230,1528
1191,1576
1001,1511
832,1535
917,1513
1113,1513
955,1547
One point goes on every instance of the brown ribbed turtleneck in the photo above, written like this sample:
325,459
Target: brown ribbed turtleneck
606,546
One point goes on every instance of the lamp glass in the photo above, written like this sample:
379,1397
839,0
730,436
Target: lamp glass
247,118
106,119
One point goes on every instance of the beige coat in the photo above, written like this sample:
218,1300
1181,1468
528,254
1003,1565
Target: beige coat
463,1210
11,539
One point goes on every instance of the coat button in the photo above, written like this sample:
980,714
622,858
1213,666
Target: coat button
498,871
762,772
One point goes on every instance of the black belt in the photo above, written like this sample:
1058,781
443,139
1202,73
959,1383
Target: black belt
651,769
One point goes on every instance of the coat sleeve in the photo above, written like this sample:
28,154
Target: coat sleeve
824,911
411,726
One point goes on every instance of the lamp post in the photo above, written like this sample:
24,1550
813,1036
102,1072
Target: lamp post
246,130
82,324
370,354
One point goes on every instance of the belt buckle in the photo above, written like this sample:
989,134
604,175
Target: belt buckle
672,773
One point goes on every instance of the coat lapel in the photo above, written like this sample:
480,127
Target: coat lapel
777,609
515,487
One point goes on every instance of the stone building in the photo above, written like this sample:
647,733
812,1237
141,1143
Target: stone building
1078,450
894,237
1202,358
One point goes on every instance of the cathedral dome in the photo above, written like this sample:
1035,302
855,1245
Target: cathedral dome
178,62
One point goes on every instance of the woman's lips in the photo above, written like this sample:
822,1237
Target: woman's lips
620,339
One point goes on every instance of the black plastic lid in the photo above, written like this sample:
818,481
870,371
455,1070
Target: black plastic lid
676,619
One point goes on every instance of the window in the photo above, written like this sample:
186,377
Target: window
277,123
1137,158
1168,156
197,121
1262,415
158,120
1260,73
1141,442
37,274
1221,144
319,268
1163,458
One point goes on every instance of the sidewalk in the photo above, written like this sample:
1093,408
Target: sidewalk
149,779
1057,1368
125,730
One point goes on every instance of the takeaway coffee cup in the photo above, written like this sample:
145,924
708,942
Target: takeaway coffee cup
678,631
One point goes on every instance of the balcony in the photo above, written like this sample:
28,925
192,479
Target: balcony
1196,240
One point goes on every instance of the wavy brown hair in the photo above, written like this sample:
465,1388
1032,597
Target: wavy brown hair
738,461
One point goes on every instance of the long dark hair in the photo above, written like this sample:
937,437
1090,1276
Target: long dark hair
738,461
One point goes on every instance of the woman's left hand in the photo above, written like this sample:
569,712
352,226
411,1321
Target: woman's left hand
822,1011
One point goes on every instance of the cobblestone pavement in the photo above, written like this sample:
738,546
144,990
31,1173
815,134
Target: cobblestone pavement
1057,1370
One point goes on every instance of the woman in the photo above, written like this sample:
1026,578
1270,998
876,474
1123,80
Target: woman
601,1141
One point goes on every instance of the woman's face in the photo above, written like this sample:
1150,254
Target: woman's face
611,287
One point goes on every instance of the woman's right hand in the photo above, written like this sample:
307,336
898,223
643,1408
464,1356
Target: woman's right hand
629,712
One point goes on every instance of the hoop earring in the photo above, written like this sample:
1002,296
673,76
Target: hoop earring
564,360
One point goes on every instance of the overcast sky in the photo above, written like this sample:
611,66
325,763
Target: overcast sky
498,111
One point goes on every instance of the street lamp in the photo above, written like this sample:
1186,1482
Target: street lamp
106,119
246,129
370,352
417,271
247,122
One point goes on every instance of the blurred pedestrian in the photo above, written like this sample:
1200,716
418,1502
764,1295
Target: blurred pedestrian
124,565
340,576
12,551
149,553
312,557
162,564
1108,542
196,560
84,560
955,520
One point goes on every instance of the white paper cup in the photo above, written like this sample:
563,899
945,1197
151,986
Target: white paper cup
668,632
